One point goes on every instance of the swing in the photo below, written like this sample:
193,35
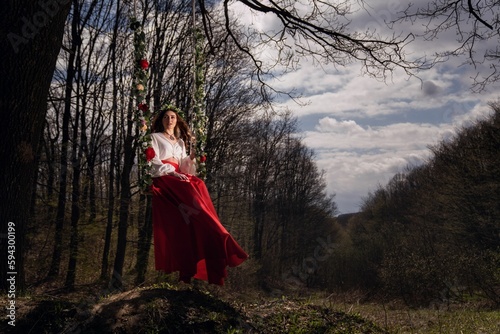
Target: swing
188,236
143,113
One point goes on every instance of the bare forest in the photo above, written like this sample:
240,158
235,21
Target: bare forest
428,238
88,209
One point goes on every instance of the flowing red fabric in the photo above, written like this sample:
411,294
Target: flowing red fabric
188,235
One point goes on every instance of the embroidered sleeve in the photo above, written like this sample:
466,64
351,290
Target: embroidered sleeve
158,167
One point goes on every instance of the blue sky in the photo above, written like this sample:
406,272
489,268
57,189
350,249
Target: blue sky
364,131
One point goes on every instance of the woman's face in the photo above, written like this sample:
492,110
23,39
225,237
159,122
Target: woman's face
169,120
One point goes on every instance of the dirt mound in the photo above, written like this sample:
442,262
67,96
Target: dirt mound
164,311
192,310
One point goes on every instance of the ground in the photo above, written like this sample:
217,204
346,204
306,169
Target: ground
202,308
179,309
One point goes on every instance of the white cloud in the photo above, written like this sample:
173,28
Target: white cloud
356,159
364,131
339,135
347,95
353,175
328,124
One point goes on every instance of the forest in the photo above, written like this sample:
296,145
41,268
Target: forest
88,188
430,238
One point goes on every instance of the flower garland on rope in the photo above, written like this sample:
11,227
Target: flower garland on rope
143,114
199,117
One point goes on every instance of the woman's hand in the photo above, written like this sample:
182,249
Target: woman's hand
181,176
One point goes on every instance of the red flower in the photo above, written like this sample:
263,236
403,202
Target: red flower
144,64
203,158
150,153
143,106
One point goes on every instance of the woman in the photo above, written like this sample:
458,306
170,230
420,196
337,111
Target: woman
188,236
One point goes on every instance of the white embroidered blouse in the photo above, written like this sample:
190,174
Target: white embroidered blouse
165,149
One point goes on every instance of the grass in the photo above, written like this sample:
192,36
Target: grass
179,308
399,319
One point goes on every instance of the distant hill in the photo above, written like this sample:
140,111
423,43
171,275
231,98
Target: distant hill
344,218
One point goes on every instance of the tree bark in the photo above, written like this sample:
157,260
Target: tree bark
125,199
30,39
144,243
113,157
76,158
63,180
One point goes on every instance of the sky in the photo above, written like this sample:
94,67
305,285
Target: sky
363,131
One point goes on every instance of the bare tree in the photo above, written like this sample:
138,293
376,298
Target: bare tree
318,30
94,15
114,56
473,24
32,38
74,41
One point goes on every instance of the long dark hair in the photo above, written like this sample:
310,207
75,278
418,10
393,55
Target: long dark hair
181,129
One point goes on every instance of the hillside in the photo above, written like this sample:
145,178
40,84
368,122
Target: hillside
175,310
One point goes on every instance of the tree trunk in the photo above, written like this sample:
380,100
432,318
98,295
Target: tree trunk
76,157
111,194
31,37
63,180
258,233
125,198
113,158
144,244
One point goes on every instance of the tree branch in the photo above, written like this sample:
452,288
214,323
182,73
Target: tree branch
473,12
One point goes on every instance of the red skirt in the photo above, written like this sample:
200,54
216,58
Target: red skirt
188,236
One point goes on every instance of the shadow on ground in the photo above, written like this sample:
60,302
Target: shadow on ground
167,310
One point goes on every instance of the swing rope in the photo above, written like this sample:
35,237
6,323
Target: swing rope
143,114
199,117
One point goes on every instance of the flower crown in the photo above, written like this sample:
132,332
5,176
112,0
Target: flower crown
172,107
